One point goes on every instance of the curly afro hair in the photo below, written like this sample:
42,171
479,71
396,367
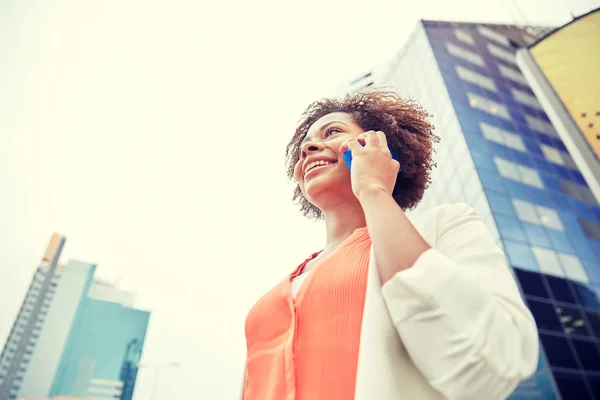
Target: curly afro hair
406,127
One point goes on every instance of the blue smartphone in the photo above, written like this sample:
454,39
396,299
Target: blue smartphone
347,156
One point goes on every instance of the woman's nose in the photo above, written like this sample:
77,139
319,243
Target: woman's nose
311,147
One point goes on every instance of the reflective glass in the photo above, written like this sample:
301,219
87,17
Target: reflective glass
536,235
502,54
540,125
560,241
515,142
525,98
593,270
551,182
558,352
530,177
465,54
477,79
491,180
526,211
512,74
542,197
487,105
507,169
593,319
560,289
549,218
585,295
573,267
518,190
591,229
571,386
482,160
509,228
573,321
493,35
545,316
464,36
520,256
588,354
531,283
561,201
501,204
552,154
477,143
548,261
594,383
492,133
580,243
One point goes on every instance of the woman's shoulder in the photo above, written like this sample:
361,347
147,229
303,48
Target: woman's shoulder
443,212
436,220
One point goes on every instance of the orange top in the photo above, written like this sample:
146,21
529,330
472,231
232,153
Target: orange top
307,347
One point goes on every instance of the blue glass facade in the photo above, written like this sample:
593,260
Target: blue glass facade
105,345
84,341
537,199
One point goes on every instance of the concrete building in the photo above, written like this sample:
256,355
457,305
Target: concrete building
73,337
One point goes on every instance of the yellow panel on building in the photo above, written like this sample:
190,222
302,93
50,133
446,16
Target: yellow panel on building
570,58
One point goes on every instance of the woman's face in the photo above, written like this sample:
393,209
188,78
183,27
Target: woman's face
321,172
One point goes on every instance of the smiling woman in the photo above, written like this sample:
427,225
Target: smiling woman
392,307
409,135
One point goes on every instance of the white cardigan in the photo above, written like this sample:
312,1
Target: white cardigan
453,326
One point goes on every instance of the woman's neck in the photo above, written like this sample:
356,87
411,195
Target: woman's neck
341,222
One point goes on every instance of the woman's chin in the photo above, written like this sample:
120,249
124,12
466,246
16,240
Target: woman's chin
321,186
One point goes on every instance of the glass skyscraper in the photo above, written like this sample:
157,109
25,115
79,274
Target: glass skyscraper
74,336
500,153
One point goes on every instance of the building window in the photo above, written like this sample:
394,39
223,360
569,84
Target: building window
536,214
530,176
524,98
507,169
500,136
548,261
473,77
578,192
526,211
591,229
541,126
557,157
493,35
549,218
488,105
502,54
512,74
465,54
573,267
518,173
551,154
464,36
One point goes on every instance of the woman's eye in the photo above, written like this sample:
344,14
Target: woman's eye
331,131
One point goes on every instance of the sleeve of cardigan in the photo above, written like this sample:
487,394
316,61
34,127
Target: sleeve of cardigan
459,312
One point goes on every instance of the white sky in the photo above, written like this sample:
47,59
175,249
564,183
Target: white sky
152,135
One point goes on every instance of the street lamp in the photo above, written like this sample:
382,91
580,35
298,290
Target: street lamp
157,368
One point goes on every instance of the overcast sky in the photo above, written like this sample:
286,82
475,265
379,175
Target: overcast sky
152,135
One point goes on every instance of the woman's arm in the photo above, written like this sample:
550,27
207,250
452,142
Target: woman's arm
456,305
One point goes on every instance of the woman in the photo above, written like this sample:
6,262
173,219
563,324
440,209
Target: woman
392,307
